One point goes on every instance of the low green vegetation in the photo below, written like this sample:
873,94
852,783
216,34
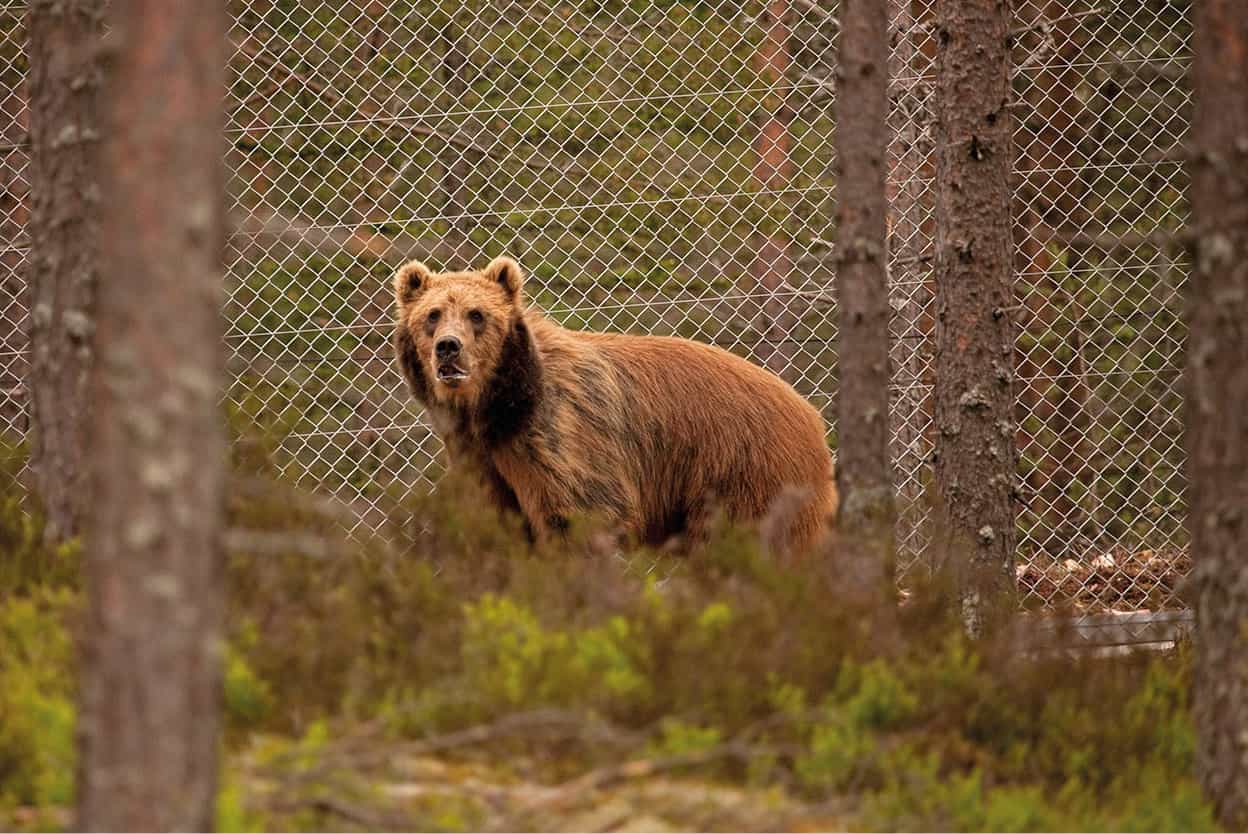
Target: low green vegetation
453,679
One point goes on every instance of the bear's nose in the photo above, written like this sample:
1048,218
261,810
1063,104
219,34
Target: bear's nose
447,347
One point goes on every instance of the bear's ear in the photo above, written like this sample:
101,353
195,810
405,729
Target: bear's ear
507,274
410,281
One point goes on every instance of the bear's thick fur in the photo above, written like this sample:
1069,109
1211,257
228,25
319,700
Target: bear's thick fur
651,433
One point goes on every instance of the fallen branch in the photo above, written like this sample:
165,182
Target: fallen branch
360,816
604,777
550,722
365,818
358,753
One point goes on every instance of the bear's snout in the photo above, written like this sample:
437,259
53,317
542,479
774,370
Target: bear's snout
448,347
448,359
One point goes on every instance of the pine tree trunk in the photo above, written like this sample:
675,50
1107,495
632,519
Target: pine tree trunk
863,473
153,565
1217,414
976,459
63,49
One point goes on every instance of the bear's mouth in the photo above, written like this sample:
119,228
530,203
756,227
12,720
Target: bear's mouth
450,374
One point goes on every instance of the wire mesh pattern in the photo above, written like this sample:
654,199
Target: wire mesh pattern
667,167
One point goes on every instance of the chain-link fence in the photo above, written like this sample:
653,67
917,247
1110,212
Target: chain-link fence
667,167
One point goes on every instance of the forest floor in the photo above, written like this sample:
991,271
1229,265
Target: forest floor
451,678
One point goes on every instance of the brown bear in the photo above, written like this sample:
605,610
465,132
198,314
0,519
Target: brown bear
651,433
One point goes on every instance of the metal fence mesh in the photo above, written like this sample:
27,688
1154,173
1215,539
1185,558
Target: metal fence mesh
667,167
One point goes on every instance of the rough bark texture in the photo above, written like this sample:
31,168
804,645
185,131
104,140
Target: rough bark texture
976,459
863,472
153,564
1217,417
773,172
63,49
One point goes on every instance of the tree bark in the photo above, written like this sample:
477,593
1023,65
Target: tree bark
863,474
1217,390
976,460
153,564
63,38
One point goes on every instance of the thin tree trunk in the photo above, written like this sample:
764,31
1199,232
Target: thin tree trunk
863,473
976,460
1217,418
63,48
153,565
773,172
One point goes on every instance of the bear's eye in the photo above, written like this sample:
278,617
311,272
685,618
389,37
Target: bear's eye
476,317
434,315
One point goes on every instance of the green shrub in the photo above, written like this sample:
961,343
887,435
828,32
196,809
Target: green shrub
676,737
248,698
29,562
36,699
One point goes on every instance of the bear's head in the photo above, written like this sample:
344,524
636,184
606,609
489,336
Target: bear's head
459,333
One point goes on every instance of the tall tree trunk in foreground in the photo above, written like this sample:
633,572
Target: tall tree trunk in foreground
63,40
1217,417
976,459
863,472
153,564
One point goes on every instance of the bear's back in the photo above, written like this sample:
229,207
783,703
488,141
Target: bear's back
706,422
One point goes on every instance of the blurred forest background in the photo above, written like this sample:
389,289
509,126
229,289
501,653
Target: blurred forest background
657,167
